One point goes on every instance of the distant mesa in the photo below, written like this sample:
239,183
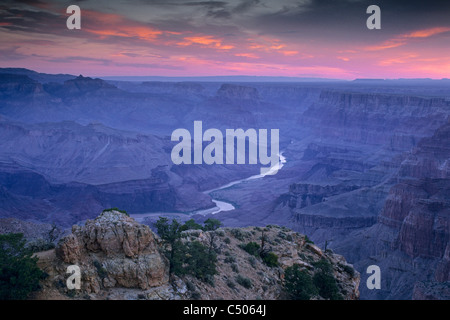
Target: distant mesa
84,84
39,77
232,91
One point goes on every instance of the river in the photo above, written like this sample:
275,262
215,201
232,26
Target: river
221,206
226,206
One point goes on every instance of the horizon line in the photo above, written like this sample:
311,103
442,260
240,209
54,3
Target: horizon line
243,76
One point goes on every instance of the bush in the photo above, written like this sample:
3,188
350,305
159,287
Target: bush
200,262
190,286
196,295
212,224
191,225
282,235
102,273
231,284
192,258
251,248
229,259
348,269
116,209
252,261
324,265
244,281
71,293
327,286
40,245
298,284
235,268
270,259
220,233
170,233
308,240
227,240
19,274
238,234
325,281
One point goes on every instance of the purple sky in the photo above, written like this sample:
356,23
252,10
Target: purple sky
302,38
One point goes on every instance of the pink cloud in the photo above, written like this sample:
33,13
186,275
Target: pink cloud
403,39
247,55
289,53
427,32
207,41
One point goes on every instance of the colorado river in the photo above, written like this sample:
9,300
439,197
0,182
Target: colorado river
226,206
221,206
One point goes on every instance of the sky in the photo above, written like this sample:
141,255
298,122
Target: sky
289,38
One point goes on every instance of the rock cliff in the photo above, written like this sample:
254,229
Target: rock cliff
375,119
418,205
120,259
232,91
114,250
410,241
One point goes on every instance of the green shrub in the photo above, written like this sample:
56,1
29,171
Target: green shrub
100,270
323,265
229,259
170,233
327,286
211,224
235,268
348,269
325,281
19,274
191,225
71,293
200,261
40,245
282,235
308,240
231,284
244,281
270,259
192,258
220,233
298,284
251,248
190,286
116,209
227,240
209,279
252,261
196,295
238,234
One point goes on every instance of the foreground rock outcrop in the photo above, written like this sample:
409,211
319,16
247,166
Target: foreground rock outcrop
114,251
121,259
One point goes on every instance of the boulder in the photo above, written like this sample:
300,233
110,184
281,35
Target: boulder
114,250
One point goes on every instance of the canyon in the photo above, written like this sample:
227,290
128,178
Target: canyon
121,259
366,172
